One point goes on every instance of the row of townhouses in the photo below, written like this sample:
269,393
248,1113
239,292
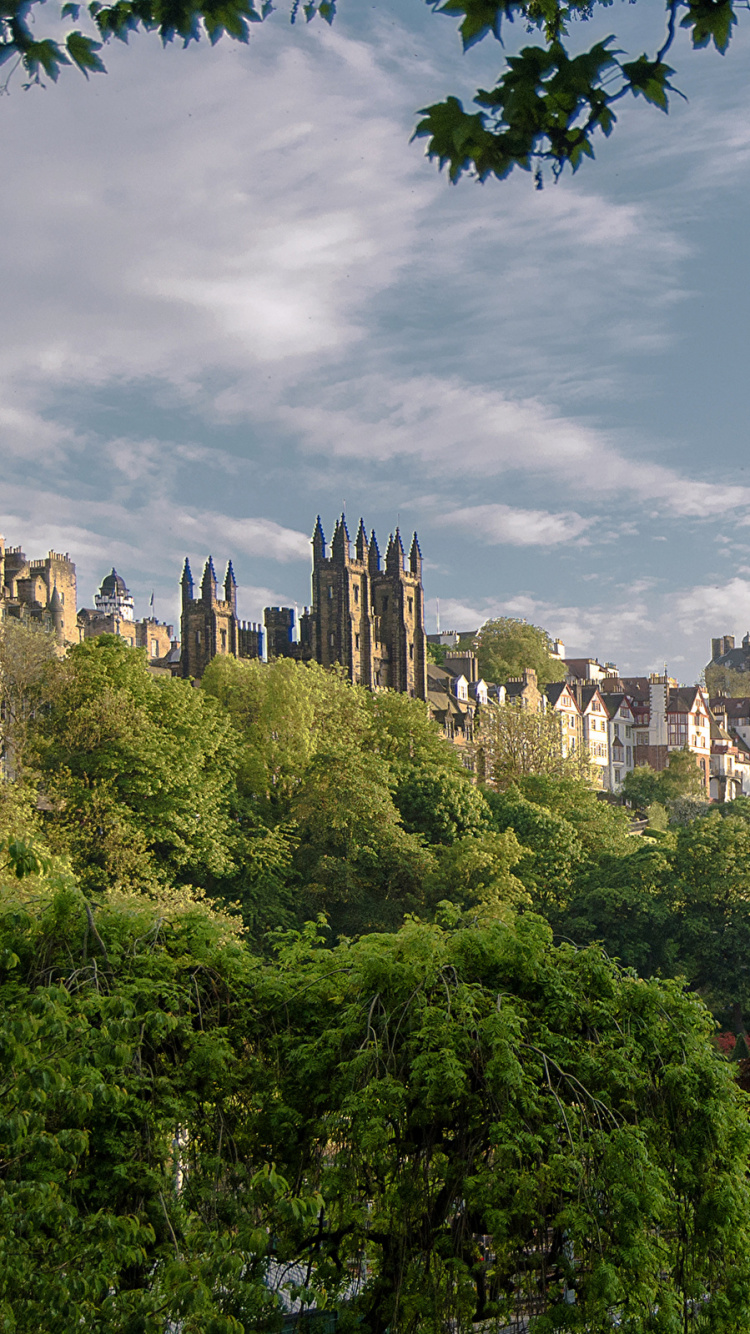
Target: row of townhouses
367,615
621,721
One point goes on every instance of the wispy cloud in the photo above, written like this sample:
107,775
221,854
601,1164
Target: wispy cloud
518,527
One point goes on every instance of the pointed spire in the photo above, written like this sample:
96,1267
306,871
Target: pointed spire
318,541
340,542
187,582
415,557
361,546
394,556
230,586
209,581
373,555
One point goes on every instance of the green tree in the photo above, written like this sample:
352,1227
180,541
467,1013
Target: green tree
506,646
440,805
514,743
546,108
602,828
681,778
133,1194
136,771
711,884
724,681
315,827
552,851
628,905
505,1129
27,657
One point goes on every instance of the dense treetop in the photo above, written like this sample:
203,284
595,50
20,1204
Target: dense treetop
291,1008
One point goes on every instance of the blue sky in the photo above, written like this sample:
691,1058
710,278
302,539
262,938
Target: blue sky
235,296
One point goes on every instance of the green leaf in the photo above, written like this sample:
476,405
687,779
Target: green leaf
46,55
82,51
710,20
650,78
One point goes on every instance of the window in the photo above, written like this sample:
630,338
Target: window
618,775
411,649
330,592
356,641
617,729
223,641
629,756
356,592
333,639
411,605
628,731
154,648
385,605
197,638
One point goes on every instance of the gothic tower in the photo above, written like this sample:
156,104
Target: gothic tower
368,619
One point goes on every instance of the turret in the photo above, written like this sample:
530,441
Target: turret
56,607
230,587
361,545
373,555
340,543
415,557
394,556
209,581
318,542
187,583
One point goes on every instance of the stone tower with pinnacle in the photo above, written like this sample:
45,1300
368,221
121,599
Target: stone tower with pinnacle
366,615
209,624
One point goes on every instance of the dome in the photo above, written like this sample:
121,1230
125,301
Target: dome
113,584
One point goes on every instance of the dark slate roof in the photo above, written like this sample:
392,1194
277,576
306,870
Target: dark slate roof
587,694
554,691
613,702
113,583
738,659
734,708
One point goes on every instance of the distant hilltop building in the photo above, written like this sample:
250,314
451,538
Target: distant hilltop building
114,614
724,653
366,615
209,624
39,592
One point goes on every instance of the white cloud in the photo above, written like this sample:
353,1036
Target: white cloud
452,427
518,527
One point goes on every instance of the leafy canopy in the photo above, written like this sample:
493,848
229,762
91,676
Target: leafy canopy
506,646
546,108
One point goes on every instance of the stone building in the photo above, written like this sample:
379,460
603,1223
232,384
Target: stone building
367,615
209,624
41,592
114,614
724,653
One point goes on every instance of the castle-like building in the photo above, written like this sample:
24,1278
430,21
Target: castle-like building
39,592
366,615
114,614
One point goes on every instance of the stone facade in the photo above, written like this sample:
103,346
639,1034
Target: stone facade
209,625
41,591
114,614
367,616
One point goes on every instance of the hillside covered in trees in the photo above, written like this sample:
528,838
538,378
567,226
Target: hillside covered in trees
297,1019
